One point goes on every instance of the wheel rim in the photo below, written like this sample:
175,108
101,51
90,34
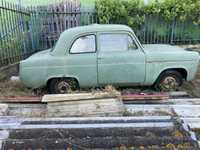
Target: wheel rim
63,87
169,83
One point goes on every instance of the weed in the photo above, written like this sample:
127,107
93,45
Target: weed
12,88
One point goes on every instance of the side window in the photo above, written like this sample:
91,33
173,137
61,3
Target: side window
116,42
84,44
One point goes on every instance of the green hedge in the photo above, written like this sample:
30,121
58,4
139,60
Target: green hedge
133,12
164,21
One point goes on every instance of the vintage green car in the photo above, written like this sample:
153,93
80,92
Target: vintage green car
99,55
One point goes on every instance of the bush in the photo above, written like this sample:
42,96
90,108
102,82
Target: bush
133,12
160,21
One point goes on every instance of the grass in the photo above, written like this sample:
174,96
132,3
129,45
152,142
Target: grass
12,88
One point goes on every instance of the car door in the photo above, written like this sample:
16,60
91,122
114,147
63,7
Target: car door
120,60
82,60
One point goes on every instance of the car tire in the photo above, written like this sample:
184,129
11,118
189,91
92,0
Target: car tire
60,86
169,81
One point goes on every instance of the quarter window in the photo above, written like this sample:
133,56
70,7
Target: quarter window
84,44
131,43
116,42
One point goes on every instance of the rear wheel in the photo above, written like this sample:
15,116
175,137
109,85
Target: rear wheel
169,81
61,86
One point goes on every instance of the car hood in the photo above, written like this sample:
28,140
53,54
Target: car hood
162,52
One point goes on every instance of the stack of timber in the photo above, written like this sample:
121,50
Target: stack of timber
84,104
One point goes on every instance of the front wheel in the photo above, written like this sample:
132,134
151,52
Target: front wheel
61,86
169,81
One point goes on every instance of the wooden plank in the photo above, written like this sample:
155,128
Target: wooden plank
91,107
84,122
187,110
185,101
145,96
77,97
94,119
86,101
178,94
8,120
27,110
183,110
176,101
21,99
86,126
155,96
148,110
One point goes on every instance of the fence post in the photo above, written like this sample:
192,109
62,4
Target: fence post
172,31
31,36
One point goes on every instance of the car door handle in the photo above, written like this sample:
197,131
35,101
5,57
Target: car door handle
100,58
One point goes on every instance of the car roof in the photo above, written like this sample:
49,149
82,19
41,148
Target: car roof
66,37
97,28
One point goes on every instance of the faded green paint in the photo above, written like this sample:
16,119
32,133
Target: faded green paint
141,66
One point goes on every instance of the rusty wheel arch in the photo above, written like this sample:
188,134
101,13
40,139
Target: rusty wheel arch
182,71
56,78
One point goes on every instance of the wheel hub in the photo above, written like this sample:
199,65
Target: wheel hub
170,83
63,87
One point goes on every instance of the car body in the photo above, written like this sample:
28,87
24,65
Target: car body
98,55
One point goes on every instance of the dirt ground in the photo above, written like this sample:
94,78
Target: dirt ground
13,88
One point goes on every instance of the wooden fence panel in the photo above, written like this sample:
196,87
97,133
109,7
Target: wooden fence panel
55,19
